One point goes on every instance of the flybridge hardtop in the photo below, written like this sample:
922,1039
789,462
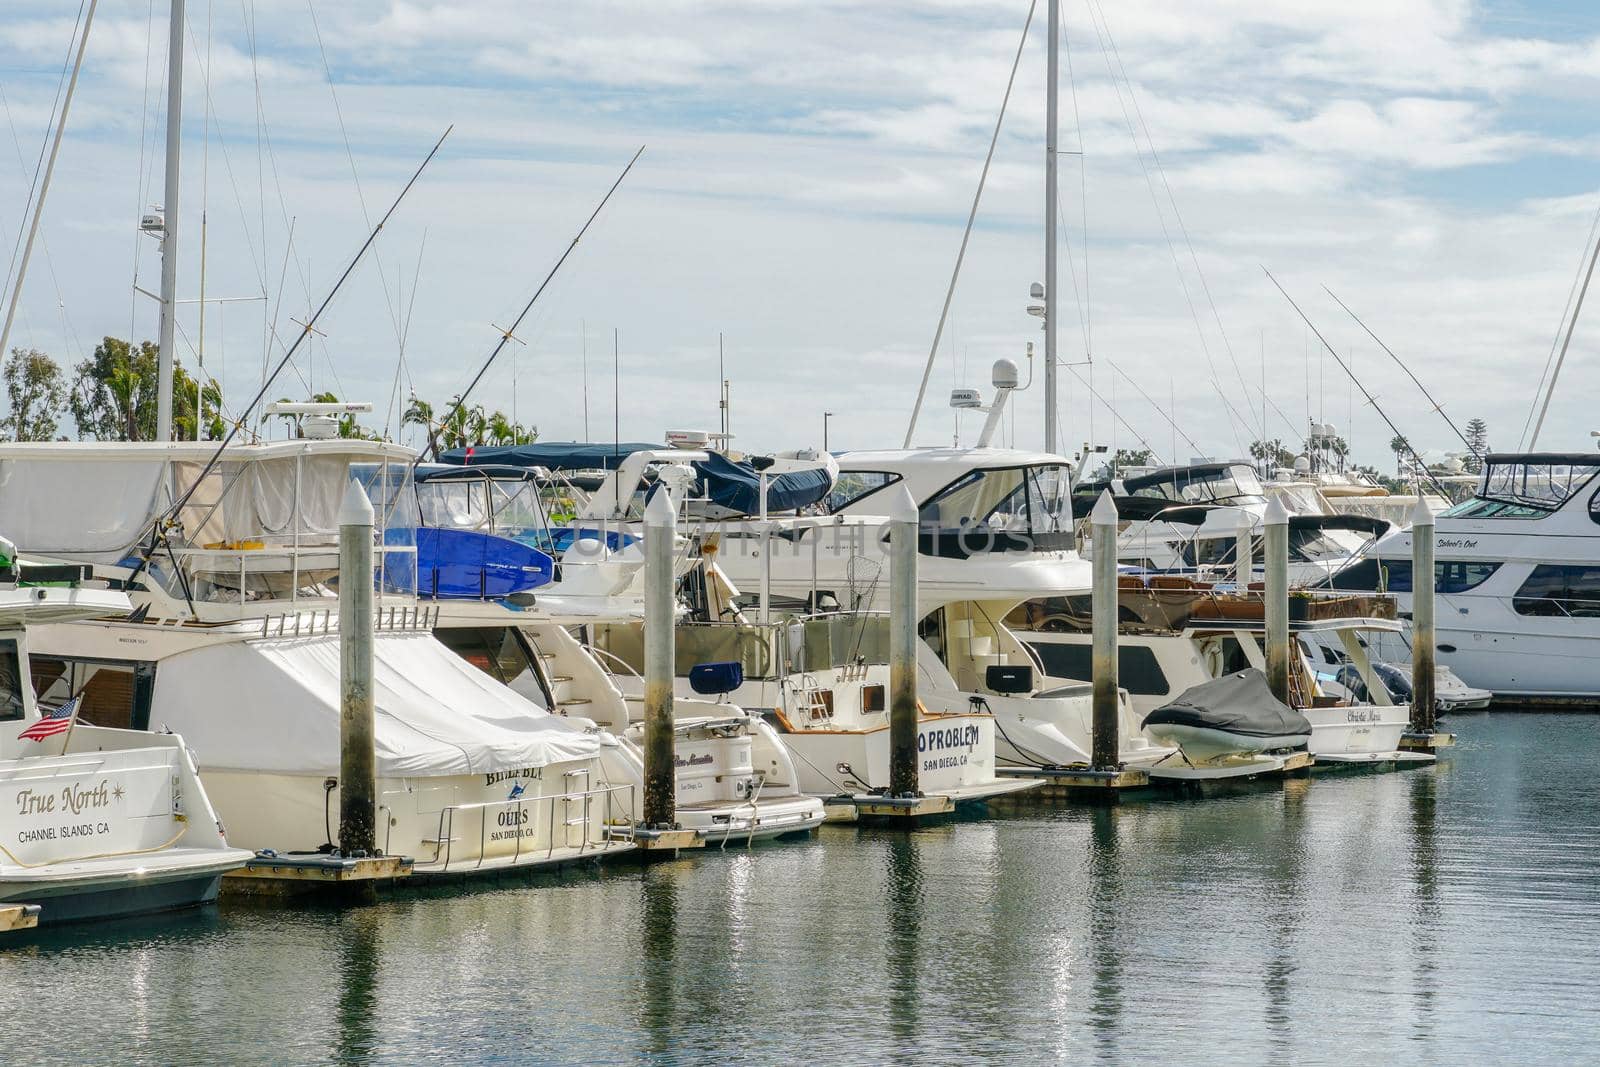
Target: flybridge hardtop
724,487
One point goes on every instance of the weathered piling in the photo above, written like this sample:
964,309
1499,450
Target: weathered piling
358,762
1104,743
903,521
1422,635
660,784
1276,528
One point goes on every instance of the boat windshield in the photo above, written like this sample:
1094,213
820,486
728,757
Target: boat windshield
1214,484
1010,509
1526,489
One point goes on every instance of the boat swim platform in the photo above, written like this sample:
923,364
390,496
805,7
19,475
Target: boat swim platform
880,809
270,873
1333,762
1082,784
1431,743
18,917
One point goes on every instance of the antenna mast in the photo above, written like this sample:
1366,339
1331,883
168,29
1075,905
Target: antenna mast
169,223
1054,23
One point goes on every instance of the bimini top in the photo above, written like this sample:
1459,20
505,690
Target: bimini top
554,455
1555,459
434,472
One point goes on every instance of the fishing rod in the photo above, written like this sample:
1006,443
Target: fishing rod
164,524
1116,415
506,336
1371,400
1162,413
1436,405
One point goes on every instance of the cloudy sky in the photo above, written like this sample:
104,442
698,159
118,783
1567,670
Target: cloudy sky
810,163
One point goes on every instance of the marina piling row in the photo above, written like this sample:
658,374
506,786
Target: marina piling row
1103,740
358,762
903,523
1276,526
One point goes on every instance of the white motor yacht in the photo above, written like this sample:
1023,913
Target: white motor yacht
95,822
735,779
234,643
1517,575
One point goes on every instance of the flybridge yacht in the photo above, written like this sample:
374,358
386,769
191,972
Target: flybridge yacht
819,678
735,779
1186,519
1517,573
234,643
95,821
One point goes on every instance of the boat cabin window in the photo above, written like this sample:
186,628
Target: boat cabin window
117,695
495,650
854,486
1394,575
1319,546
1013,509
1560,590
10,682
452,504
1221,483
1138,670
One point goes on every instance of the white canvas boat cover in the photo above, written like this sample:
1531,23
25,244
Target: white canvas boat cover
272,706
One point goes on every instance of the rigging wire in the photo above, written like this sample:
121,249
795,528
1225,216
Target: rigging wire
1117,415
1566,310
972,214
1436,405
1372,401
1176,429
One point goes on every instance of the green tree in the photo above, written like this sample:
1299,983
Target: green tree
1478,440
113,395
36,393
418,412
1271,453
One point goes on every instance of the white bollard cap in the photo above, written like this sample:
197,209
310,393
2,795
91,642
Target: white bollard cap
902,508
1104,512
1422,514
659,512
356,508
1275,514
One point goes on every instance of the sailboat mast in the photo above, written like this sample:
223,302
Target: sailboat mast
1054,34
169,229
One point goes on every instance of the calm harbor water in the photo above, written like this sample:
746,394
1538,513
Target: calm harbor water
1442,915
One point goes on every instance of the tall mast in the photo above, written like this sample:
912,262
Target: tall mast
169,228
1054,23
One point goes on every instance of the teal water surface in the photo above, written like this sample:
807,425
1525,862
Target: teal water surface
1445,915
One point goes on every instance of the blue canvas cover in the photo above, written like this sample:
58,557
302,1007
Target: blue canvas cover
469,565
554,455
736,487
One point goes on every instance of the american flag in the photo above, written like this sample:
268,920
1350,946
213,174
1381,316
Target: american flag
52,722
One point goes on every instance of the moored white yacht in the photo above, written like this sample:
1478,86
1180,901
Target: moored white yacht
95,822
234,643
1517,572
735,780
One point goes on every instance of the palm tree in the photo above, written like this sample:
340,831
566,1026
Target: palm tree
418,413
123,383
500,429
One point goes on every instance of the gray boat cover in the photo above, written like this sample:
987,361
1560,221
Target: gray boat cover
1240,703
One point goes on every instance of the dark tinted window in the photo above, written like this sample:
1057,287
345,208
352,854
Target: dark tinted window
1560,590
1449,576
1137,669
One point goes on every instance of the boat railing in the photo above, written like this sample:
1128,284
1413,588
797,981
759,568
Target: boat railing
404,618
611,798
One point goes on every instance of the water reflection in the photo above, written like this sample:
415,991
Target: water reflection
1286,877
1425,925
903,892
360,938
658,929
1105,901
